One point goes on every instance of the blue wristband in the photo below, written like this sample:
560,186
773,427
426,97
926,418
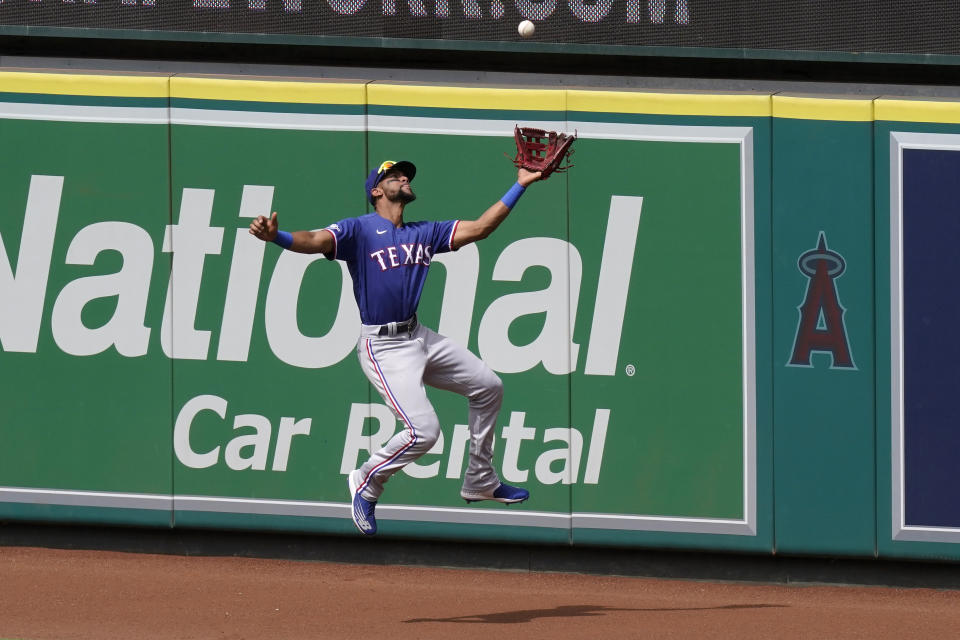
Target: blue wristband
510,197
284,239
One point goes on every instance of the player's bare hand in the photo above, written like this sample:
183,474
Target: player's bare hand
526,178
265,228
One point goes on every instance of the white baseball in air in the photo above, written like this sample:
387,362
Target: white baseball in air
526,28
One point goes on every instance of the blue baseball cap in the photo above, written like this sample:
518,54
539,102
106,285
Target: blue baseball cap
404,167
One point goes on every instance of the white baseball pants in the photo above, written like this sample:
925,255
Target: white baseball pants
398,367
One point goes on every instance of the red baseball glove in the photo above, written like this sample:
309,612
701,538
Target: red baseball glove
546,151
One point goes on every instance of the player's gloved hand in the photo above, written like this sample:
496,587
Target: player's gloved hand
543,151
265,228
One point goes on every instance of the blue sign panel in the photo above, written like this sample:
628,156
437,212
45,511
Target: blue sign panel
931,336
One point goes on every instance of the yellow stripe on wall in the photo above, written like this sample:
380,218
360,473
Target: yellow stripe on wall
672,104
814,108
437,96
84,84
903,110
293,91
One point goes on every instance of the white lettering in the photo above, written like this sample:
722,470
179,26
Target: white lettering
23,294
570,456
514,434
131,286
459,292
613,286
554,346
288,428
553,466
283,331
243,286
259,441
23,283
378,256
191,240
597,440
181,431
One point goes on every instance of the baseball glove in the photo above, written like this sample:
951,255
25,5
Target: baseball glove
546,151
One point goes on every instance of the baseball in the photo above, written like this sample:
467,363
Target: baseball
526,28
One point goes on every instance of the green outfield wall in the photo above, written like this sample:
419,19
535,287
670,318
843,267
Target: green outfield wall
824,466
690,324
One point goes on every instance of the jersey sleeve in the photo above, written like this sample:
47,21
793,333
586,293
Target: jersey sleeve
344,238
443,235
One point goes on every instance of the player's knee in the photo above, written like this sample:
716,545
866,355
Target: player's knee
496,385
489,385
428,432
426,440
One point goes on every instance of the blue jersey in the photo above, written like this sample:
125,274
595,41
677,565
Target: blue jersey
388,264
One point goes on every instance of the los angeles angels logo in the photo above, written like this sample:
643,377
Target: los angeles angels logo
821,327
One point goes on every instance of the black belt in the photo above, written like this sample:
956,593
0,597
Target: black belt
400,327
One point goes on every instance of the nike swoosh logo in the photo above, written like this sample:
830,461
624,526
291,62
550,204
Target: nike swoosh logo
381,232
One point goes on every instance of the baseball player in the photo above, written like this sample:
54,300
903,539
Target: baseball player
388,259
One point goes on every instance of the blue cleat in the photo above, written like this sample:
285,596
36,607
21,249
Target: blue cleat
362,510
504,493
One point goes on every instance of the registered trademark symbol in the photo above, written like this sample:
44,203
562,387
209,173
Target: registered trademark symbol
631,370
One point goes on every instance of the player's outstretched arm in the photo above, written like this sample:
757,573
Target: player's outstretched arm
267,229
472,230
